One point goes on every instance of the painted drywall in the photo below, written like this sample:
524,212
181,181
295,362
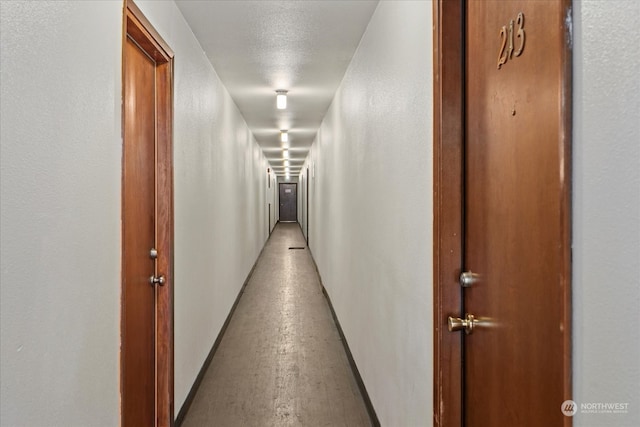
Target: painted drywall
606,216
221,220
606,210
372,210
60,213
61,176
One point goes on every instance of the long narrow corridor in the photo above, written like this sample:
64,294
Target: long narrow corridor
281,361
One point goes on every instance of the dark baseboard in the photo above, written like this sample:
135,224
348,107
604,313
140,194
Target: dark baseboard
356,373
194,388
196,385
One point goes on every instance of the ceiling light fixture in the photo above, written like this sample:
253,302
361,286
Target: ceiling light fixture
284,136
285,154
286,163
281,99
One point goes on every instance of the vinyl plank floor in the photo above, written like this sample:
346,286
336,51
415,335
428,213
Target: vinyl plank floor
281,361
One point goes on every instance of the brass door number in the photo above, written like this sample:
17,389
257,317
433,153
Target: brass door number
506,34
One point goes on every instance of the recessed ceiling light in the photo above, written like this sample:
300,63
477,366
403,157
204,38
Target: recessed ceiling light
284,136
281,99
285,154
286,163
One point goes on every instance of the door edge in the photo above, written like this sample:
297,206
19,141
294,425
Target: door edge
448,128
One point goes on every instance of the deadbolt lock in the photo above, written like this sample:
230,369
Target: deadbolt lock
458,324
467,278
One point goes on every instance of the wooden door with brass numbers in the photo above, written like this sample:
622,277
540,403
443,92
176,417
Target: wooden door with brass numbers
147,227
516,255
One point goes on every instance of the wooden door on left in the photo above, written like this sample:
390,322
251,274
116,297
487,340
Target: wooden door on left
147,227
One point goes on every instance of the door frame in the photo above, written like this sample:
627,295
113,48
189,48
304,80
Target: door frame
307,208
140,30
449,88
448,170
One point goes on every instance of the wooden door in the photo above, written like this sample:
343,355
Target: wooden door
516,206
482,187
288,202
139,237
147,227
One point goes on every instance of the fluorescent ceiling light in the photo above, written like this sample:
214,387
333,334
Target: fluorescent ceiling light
284,136
281,99
286,163
285,154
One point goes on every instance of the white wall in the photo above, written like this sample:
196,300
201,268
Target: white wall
61,177
60,213
372,210
220,199
606,206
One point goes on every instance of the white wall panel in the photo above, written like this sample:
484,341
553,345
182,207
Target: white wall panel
606,210
371,212
60,182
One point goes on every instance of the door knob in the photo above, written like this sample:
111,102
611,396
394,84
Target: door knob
458,324
153,280
467,278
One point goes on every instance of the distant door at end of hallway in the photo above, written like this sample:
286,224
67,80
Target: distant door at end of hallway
288,202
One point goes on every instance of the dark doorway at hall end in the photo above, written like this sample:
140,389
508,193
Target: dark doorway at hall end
288,193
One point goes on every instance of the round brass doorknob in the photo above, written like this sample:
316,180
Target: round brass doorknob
458,324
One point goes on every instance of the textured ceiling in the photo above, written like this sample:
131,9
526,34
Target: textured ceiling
258,47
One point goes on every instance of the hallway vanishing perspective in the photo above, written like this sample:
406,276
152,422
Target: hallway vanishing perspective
462,178
281,360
